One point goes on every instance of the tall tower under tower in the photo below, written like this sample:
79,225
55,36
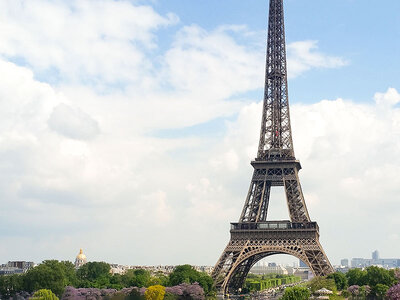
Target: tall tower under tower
253,237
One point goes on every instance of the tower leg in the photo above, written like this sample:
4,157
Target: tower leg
240,256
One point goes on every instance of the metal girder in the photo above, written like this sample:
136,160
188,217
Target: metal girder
254,238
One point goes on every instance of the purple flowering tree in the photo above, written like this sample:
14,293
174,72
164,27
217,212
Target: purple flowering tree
394,292
354,290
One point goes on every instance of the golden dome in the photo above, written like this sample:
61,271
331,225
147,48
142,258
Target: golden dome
81,256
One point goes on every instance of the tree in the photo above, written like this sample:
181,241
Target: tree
365,290
187,274
354,290
184,273
155,292
141,278
296,293
356,277
51,275
94,274
159,279
70,272
135,295
376,275
394,292
44,294
318,283
340,280
11,284
380,290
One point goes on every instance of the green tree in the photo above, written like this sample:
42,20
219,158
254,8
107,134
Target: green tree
356,277
184,273
318,283
380,290
340,280
296,293
44,294
376,275
141,278
51,274
94,274
159,279
135,295
11,284
70,273
155,292
187,274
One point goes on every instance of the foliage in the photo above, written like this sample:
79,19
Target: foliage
380,290
346,293
397,274
258,283
159,279
365,290
376,275
354,290
372,277
187,291
94,280
51,274
10,285
135,295
340,280
336,297
187,274
94,274
296,293
184,273
318,283
394,292
141,278
44,294
356,277
155,292
183,291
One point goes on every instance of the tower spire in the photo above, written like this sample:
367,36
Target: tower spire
276,135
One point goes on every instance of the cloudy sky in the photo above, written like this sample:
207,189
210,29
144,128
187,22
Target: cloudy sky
127,127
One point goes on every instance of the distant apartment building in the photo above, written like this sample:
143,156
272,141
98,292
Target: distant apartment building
387,263
344,262
271,268
16,267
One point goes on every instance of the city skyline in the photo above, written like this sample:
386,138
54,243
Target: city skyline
119,120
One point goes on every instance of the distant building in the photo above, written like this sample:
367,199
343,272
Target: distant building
10,271
303,273
80,259
302,264
16,267
344,262
269,269
387,263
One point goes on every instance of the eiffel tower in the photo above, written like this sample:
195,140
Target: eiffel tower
253,237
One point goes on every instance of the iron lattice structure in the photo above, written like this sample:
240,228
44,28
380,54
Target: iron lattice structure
253,237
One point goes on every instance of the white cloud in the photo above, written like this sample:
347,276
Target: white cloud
302,56
81,41
200,62
73,123
390,98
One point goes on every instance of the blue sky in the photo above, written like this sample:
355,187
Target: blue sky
366,33
127,127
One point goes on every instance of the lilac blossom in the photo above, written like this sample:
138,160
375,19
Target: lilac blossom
354,290
394,292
